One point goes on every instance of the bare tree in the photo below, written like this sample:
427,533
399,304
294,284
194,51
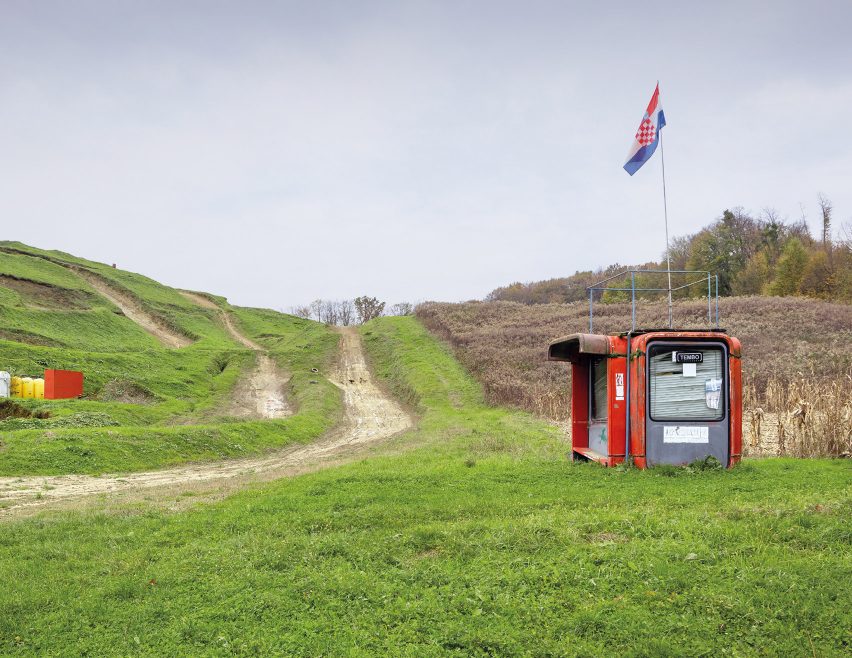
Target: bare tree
328,312
368,308
345,312
301,311
402,308
825,210
316,310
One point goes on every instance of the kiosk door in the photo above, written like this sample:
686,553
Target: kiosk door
687,414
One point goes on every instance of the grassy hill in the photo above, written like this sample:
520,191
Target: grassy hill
472,535
145,404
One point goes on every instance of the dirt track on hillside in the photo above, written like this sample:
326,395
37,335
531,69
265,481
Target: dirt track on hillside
224,316
131,308
262,394
370,418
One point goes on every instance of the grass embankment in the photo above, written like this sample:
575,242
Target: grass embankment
144,405
483,541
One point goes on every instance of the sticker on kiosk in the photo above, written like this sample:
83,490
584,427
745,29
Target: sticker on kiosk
713,393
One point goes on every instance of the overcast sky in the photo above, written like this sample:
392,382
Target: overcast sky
276,152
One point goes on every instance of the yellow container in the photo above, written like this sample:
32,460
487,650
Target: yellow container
27,387
15,387
38,389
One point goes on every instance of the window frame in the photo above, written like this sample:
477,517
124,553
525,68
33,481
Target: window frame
594,363
675,345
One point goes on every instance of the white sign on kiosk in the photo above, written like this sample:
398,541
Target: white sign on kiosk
686,434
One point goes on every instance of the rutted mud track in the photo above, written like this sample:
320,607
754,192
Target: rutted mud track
204,302
262,394
130,307
370,417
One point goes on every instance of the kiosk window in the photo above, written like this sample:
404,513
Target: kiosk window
598,396
686,390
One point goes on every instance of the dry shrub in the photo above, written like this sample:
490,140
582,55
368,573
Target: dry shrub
802,416
504,345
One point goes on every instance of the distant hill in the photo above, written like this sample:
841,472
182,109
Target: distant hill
751,256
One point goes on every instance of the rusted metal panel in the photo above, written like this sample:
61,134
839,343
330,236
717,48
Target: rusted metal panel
736,400
569,348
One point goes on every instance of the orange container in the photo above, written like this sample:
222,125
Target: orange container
62,384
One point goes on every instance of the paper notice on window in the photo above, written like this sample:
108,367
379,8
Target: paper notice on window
713,393
686,434
689,369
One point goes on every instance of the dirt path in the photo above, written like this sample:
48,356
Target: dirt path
370,418
262,394
204,302
130,307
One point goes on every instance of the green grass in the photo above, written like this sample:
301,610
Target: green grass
35,269
182,389
484,540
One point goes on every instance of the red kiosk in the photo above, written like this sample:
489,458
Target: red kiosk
678,400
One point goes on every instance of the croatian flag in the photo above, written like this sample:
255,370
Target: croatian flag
648,135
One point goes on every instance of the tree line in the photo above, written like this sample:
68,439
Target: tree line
346,312
752,255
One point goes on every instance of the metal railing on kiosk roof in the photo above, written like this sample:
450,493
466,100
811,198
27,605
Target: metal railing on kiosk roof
706,277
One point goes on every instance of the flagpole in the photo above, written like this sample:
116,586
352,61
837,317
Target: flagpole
666,215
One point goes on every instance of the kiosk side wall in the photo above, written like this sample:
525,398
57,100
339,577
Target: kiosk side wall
580,405
736,396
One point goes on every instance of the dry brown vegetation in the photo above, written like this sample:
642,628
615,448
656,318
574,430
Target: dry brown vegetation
801,416
797,361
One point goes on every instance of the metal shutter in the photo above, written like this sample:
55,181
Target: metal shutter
675,397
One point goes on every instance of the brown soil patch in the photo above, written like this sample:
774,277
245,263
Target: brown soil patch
606,538
46,296
124,390
18,336
11,409
263,393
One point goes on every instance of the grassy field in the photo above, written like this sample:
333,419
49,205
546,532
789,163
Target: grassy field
480,540
145,405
